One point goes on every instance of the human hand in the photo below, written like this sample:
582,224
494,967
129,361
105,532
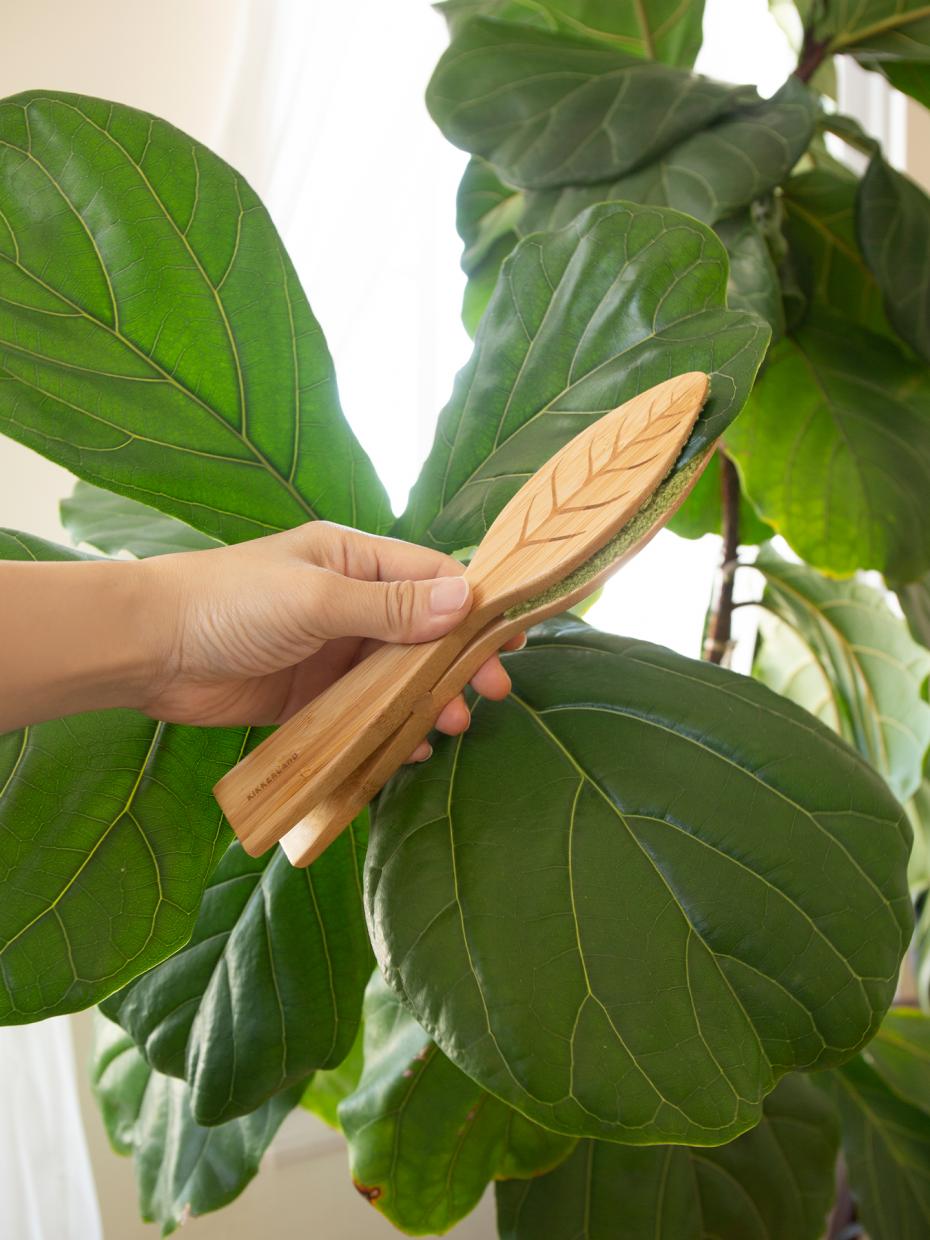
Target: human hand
250,633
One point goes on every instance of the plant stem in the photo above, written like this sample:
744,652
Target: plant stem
844,1215
719,633
813,54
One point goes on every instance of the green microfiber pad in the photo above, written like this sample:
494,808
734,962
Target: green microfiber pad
659,502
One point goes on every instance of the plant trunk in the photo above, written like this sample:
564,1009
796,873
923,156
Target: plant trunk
717,642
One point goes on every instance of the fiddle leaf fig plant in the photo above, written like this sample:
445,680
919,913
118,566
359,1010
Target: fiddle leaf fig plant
627,948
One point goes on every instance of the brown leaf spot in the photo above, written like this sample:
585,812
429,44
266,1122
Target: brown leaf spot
370,1194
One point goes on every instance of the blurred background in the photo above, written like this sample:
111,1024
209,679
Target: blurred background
321,107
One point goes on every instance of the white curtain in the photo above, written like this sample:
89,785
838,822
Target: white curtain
326,118
47,1187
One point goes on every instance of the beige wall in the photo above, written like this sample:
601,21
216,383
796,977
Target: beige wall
918,143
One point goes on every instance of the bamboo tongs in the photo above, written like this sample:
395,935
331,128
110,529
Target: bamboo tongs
565,531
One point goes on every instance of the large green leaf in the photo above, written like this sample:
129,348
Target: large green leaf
659,29
871,673
108,834
487,211
424,1139
783,661
910,76
882,1097
922,955
877,30
893,221
679,947
328,1088
834,449
154,337
900,1054
581,320
550,109
488,220
182,1169
268,989
112,523
773,1183
821,232
753,283
918,810
711,175
915,603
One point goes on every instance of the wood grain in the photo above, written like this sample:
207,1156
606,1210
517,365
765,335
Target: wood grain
566,512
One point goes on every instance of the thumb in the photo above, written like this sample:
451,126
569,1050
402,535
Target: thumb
393,611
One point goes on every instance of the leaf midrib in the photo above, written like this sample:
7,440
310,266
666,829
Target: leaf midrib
114,330
894,21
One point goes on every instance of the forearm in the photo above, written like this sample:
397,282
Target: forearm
74,637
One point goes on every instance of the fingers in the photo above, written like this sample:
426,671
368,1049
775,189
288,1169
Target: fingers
454,717
423,751
491,680
369,557
390,611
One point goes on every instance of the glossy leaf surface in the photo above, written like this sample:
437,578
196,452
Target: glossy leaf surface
912,77
877,30
773,1183
487,211
753,283
900,1054
872,674
882,1098
660,29
112,523
834,449
581,320
424,1139
711,175
108,834
918,810
552,109
182,1169
821,232
154,338
678,949
915,603
268,989
893,219
327,1088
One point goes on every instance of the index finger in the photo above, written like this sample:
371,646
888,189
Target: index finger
371,557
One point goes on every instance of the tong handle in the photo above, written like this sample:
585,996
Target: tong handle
274,786
332,813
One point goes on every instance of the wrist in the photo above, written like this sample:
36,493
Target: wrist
148,601
124,621
118,657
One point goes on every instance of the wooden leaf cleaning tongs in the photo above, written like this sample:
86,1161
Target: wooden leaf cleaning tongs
584,512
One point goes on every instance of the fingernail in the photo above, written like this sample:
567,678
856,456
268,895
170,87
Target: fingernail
426,757
447,595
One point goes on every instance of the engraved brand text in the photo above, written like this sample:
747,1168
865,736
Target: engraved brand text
291,758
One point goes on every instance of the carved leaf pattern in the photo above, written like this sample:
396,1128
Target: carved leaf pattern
577,497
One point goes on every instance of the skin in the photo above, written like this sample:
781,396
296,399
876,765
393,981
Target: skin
238,635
